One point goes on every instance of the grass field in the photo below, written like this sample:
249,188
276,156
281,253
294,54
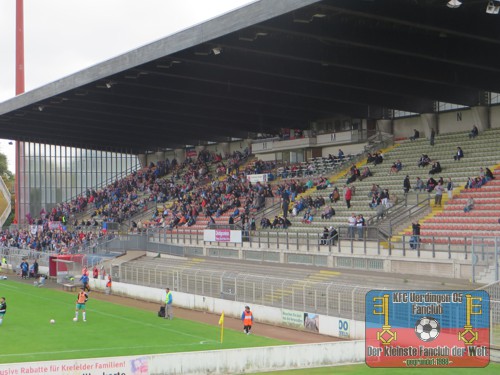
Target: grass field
492,369
110,330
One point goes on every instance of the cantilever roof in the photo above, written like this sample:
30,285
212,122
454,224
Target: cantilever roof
271,64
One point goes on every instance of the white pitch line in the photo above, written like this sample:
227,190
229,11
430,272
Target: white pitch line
166,328
105,349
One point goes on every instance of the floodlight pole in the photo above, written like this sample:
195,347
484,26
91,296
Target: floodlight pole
19,47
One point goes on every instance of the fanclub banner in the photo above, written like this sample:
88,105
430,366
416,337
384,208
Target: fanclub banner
427,328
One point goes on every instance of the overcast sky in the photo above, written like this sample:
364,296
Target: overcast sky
62,37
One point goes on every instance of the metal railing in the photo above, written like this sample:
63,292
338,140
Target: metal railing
282,239
350,240
399,214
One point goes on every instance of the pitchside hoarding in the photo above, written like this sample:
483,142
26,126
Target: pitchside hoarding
427,328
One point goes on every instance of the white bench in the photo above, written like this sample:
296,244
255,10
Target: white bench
69,287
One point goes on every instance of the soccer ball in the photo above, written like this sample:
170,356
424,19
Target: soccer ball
427,328
52,321
75,319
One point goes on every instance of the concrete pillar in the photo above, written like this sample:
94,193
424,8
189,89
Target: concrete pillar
223,148
385,126
481,116
142,159
169,155
160,155
429,122
180,154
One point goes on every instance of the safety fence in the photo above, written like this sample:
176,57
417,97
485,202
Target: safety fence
493,290
14,256
348,240
342,300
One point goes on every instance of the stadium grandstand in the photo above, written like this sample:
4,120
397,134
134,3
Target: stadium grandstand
292,154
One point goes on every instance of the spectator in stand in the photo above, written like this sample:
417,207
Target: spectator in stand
415,238
275,223
474,132
334,195
488,174
449,188
265,223
469,184
406,184
253,226
419,185
235,213
435,168
433,135
459,155
347,196
308,216
431,184
378,158
366,173
354,174
375,202
328,213
469,205
384,197
373,190
324,237
360,224
424,160
396,167
332,235
352,225
439,189
322,183
380,211
340,155
415,136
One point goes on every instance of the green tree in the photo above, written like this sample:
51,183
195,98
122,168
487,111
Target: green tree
4,167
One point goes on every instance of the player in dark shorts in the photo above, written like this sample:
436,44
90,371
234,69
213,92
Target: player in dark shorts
3,309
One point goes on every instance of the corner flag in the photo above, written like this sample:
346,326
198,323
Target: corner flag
221,323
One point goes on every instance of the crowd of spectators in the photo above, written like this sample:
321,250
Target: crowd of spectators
43,238
484,176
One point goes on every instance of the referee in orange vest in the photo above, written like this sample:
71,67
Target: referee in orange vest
247,318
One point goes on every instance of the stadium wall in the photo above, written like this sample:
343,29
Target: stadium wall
495,117
459,120
230,361
302,320
353,256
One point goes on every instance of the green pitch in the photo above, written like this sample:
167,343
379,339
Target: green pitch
111,330
492,369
